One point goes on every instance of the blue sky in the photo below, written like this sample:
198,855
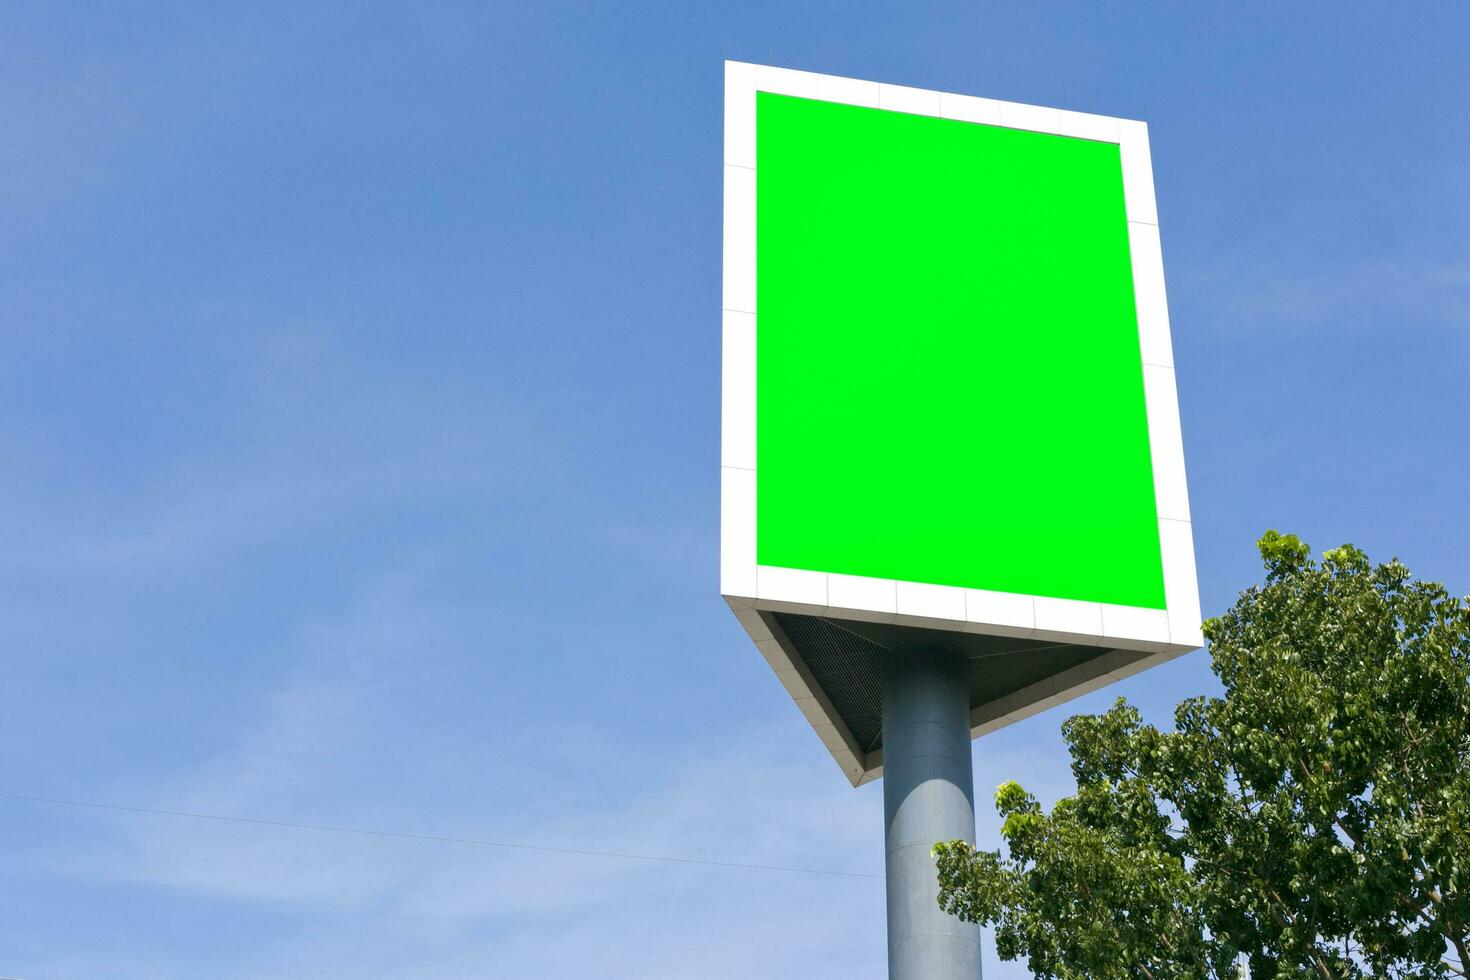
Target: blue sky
359,440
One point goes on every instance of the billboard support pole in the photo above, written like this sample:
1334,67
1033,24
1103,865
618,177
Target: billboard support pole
928,797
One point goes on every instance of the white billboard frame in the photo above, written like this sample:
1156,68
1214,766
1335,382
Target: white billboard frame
750,588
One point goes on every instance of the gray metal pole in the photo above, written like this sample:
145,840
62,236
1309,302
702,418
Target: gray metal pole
928,796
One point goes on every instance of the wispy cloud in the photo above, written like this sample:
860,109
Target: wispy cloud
457,910
1274,290
760,795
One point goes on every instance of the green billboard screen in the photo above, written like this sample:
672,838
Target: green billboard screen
949,382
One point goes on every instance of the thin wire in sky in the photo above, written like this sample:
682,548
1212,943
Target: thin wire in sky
509,845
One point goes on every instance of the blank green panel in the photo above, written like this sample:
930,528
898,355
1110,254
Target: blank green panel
949,386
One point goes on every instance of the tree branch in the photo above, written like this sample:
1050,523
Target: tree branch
1459,942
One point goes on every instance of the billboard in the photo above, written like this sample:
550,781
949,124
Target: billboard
949,411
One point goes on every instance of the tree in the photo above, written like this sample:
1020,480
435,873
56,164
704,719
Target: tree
1315,819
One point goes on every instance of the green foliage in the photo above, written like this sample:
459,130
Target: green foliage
1316,819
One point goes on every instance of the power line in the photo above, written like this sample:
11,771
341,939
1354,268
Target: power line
509,845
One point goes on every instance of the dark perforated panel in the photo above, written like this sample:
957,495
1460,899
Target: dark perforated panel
845,660
846,666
